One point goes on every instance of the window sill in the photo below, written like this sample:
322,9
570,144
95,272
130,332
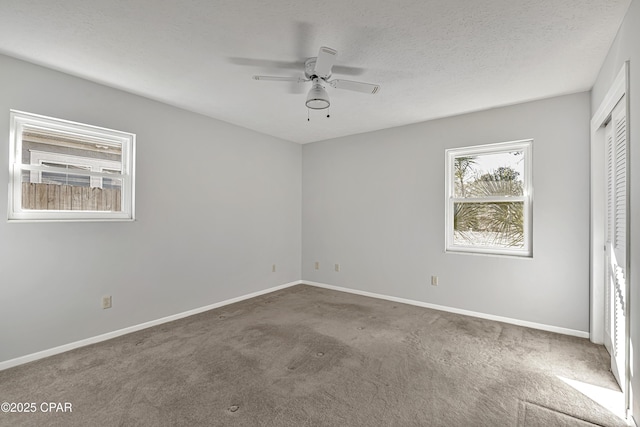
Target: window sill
525,256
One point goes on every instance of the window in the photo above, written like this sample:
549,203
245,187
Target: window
62,170
489,199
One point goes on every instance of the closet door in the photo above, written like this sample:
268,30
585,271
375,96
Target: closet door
616,239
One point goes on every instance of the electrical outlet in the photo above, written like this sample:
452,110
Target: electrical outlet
434,280
317,265
106,302
337,267
273,268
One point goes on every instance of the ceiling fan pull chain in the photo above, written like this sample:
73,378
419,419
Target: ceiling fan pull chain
308,114
328,113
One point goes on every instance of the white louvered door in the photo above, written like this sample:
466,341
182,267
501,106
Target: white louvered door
616,239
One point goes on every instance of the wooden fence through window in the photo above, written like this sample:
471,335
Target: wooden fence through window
69,197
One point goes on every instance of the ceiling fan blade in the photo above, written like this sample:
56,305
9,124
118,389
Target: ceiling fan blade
347,71
281,79
266,63
356,86
324,61
303,36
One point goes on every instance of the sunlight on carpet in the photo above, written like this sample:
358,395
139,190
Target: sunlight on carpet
533,415
611,400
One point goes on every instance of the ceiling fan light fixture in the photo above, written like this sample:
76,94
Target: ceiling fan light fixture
318,98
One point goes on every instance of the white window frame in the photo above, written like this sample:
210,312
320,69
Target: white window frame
526,146
21,121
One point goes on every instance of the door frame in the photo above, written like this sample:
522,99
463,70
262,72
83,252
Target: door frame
618,89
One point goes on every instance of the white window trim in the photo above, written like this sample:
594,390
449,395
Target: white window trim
19,121
525,145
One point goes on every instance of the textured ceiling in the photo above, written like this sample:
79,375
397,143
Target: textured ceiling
432,58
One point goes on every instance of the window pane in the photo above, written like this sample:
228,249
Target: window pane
49,144
111,183
486,175
69,192
499,224
64,179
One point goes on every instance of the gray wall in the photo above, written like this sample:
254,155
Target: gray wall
627,47
216,206
374,203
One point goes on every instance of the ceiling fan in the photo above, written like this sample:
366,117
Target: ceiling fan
317,70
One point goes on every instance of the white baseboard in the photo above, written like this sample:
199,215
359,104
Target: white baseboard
533,325
109,335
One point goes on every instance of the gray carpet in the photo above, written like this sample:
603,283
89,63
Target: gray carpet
306,356
532,415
